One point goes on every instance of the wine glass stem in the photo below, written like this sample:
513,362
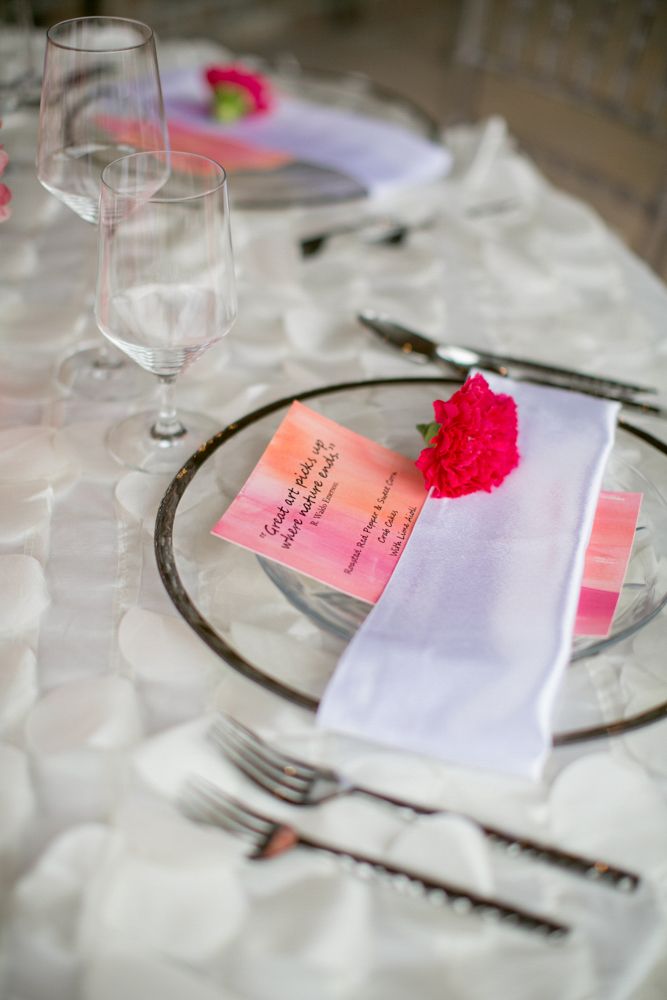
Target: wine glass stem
167,428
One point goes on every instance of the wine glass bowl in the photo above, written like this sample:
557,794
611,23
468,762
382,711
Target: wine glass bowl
101,98
166,288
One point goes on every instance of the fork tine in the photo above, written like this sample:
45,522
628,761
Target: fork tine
290,765
205,802
274,784
228,740
261,753
198,804
269,753
252,819
198,807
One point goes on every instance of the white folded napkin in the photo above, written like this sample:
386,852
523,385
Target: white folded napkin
462,656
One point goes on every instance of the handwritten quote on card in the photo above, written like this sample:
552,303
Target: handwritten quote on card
329,503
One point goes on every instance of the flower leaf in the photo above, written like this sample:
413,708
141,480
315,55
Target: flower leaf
428,431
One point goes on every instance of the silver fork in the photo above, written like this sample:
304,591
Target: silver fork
382,229
302,784
394,231
269,838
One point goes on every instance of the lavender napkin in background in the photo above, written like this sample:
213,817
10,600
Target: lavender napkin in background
382,156
462,656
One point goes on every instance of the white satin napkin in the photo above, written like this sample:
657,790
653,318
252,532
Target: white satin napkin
462,656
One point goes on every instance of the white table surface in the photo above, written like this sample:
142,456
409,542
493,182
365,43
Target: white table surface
106,694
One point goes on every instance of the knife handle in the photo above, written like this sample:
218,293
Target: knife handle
650,409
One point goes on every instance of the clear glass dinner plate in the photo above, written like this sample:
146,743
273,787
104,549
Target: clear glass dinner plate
301,183
286,631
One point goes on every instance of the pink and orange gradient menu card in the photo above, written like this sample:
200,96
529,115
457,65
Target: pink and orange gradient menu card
606,563
329,503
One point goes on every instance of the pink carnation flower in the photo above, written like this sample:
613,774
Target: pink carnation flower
248,93
5,198
475,446
5,193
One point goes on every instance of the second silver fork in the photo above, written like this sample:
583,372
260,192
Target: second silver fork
269,838
302,784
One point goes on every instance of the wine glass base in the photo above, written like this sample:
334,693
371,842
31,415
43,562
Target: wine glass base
132,442
103,376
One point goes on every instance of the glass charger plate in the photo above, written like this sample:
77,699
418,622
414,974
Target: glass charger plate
286,631
300,183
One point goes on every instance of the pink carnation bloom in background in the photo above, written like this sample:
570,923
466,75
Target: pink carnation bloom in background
5,193
252,90
475,446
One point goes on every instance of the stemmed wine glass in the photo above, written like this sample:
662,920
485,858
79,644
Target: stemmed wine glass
165,288
101,98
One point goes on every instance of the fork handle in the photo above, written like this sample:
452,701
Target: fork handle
534,850
438,893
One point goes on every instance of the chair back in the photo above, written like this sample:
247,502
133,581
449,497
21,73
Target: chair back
583,86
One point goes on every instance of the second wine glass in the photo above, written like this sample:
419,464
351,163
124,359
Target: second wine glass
165,288
101,97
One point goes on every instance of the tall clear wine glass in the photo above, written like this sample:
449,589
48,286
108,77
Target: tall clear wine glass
165,288
101,97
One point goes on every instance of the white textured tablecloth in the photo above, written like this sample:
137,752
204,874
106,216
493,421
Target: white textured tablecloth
105,693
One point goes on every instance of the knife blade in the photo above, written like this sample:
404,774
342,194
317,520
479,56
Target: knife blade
462,359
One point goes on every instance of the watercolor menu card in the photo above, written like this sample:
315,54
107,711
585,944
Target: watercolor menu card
340,508
607,558
329,503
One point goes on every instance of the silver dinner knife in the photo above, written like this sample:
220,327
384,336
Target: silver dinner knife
465,358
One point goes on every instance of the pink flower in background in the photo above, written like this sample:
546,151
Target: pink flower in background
238,92
5,193
472,444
